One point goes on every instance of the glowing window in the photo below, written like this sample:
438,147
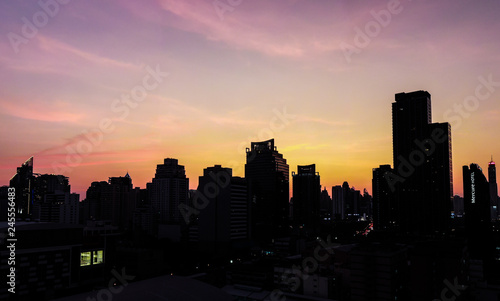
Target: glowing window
85,259
97,257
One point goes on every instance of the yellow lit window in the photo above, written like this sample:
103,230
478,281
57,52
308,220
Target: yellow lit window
97,257
85,259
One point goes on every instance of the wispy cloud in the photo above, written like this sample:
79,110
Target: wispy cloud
40,110
324,121
56,47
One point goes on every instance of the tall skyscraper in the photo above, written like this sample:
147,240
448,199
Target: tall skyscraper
22,181
168,189
267,175
384,205
120,201
306,197
225,218
423,165
477,212
494,200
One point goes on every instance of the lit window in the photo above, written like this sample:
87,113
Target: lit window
97,257
85,259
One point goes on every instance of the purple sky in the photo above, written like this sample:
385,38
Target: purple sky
318,76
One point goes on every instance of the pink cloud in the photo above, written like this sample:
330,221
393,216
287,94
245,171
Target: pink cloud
54,46
250,26
48,55
39,110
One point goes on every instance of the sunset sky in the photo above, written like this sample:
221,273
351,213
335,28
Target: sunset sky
318,76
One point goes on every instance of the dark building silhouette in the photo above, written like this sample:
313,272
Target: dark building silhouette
378,272
169,189
22,181
338,202
349,200
48,260
477,209
120,201
267,175
4,202
143,216
494,201
225,218
113,201
326,205
95,196
384,205
422,177
53,200
434,263
306,197
365,204
458,206
482,241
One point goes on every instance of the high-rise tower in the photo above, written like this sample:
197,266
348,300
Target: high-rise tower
384,207
23,182
306,197
423,164
168,190
494,200
225,218
267,175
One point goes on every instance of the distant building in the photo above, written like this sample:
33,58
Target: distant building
143,215
349,203
306,197
494,200
93,206
53,200
169,189
267,175
225,218
338,202
365,204
326,206
350,200
120,201
114,201
22,181
384,205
